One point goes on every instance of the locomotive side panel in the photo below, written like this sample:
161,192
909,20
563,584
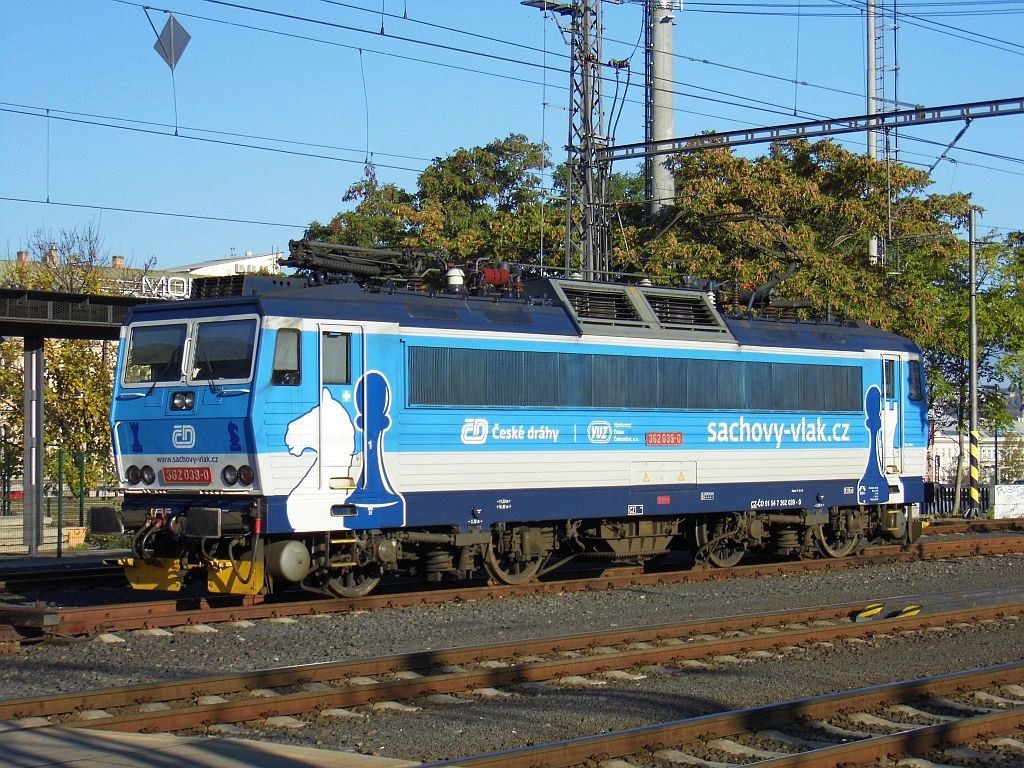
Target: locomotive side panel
477,448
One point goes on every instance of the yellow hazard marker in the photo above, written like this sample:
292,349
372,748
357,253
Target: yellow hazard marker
870,611
907,612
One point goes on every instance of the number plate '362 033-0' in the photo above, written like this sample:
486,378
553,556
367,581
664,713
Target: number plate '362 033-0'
187,475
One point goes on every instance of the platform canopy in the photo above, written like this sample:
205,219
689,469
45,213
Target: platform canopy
54,315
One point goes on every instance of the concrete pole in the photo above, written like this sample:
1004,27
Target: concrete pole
660,21
972,373
872,106
32,473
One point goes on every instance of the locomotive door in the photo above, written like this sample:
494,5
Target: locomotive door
341,360
354,418
892,423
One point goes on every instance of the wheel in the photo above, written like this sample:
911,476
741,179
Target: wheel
507,569
353,582
717,545
833,542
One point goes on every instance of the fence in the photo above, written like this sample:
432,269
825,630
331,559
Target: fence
944,500
64,517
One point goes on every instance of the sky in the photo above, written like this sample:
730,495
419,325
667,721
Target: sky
274,107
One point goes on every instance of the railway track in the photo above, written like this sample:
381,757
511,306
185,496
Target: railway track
24,624
970,716
954,526
60,577
316,690
71,576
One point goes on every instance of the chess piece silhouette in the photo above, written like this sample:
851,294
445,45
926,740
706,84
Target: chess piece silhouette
374,495
873,487
312,454
136,443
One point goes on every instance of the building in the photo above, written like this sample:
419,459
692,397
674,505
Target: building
262,263
173,283
993,450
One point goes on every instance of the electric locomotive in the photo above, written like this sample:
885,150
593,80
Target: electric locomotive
324,435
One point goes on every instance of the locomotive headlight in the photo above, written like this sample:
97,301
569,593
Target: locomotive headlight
245,475
148,475
229,475
183,401
133,474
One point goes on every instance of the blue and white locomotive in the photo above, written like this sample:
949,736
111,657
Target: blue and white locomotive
325,435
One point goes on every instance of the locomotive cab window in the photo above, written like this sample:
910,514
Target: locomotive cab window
888,379
224,350
154,354
334,351
916,392
286,358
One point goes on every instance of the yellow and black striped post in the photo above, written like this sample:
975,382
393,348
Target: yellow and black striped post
975,510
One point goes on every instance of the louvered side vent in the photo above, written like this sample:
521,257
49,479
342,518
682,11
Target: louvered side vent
602,306
684,311
216,287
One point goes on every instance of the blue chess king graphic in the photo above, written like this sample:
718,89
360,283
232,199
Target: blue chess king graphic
374,497
873,487
136,443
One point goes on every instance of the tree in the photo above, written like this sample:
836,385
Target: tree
79,373
381,218
484,202
812,207
72,260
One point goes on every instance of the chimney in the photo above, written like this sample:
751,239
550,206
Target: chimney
23,257
52,259
118,262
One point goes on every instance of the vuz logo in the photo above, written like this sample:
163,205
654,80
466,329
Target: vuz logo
474,431
599,432
183,436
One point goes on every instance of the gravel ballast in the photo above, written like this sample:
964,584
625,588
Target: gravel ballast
470,726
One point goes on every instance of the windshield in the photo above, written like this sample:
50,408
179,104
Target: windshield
223,350
154,353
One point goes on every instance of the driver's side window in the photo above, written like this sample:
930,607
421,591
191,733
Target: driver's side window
287,371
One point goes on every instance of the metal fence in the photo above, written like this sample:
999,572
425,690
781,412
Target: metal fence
62,524
943,500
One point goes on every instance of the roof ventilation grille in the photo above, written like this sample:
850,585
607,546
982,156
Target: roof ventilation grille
597,305
683,311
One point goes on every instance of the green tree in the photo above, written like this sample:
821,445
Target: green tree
813,207
79,378
484,202
382,216
79,373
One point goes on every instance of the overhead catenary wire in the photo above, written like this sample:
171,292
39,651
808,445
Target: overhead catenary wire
779,109
416,170
206,139
765,106
96,120
948,30
608,39
173,214
769,107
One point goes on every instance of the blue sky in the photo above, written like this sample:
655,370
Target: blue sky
428,91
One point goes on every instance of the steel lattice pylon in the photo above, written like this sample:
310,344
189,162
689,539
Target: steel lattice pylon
587,244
